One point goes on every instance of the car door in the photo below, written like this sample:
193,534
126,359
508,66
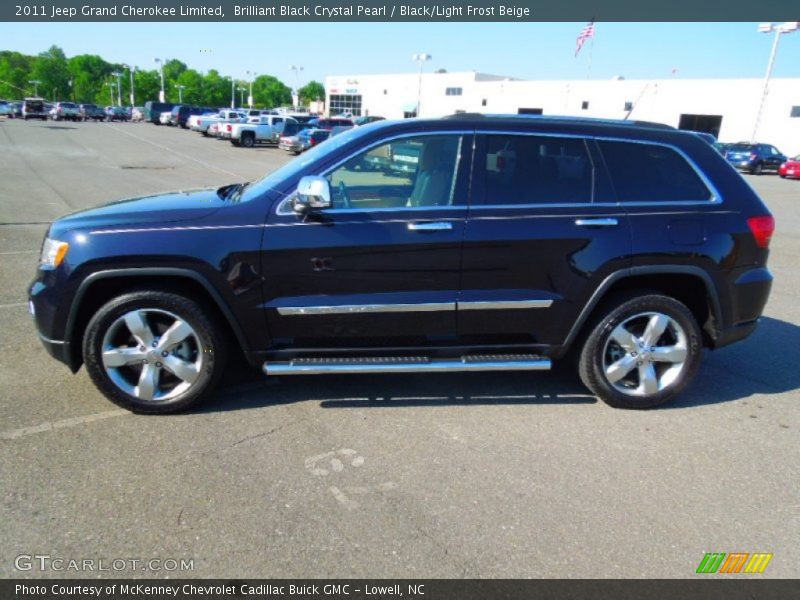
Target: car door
774,158
379,268
543,230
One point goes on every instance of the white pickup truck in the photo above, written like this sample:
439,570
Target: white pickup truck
262,132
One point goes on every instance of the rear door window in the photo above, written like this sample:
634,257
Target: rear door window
643,172
531,169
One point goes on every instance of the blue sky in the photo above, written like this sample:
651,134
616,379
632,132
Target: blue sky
524,50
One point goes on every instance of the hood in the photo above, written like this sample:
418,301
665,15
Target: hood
161,208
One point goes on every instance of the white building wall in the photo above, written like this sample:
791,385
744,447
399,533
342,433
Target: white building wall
735,100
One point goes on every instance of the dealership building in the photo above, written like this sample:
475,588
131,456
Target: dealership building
727,108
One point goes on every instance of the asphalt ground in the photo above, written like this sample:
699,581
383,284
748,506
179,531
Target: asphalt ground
469,475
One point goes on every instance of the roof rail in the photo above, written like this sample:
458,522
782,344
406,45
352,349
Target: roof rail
587,120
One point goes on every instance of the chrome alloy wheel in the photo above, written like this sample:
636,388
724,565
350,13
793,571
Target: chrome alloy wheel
645,354
152,354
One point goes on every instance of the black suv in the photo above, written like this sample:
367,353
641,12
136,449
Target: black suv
511,242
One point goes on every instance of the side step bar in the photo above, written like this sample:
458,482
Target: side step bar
407,364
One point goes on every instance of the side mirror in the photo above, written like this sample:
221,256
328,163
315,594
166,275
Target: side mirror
313,193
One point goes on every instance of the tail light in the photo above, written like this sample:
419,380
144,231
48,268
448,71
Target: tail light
230,128
762,228
311,141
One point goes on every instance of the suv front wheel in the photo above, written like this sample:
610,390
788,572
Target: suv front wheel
642,352
154,352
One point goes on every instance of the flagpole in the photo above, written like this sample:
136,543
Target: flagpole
591,51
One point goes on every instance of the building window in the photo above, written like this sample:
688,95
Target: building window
795,113
628,106
453,91
585,105
345,103
483,102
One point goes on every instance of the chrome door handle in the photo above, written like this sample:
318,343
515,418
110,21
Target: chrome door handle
430,226
596,222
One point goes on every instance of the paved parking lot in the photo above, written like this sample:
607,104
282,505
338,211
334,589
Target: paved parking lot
474,475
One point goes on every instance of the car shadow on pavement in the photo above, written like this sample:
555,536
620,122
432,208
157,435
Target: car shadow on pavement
765,363
246,388
768,362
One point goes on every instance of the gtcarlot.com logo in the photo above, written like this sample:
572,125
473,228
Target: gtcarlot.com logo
735,562
45,562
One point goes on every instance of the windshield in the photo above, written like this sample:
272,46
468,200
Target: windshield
292,168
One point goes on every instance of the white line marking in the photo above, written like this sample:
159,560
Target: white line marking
14,305
19,252
173,151
15,434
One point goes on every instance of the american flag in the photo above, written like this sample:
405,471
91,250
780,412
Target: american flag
584,35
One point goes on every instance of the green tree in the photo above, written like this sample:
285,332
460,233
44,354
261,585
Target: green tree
192,83
87,72
270,92
216,90
311,92
147,84
50,69
14,75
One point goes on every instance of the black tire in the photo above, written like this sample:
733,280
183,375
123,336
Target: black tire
210,339
758,169
598,348
248,140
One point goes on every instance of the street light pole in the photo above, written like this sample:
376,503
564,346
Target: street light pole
779,29
131,95
420,58
251,75
161,95
110,85
180,92
35,83
117,74
233,92
296,97
241,95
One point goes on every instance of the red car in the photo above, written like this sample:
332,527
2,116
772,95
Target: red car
791,168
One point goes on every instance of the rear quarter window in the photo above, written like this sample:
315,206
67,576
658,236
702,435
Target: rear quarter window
644,172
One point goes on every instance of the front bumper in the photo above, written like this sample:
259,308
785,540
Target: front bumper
42,305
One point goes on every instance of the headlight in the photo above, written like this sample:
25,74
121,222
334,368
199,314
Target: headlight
53,253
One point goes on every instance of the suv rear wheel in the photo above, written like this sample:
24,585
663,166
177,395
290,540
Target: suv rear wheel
154,352
642,352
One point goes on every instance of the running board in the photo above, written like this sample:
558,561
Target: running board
407,364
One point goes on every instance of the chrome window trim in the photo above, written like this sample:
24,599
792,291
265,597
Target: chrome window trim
280,210
716,198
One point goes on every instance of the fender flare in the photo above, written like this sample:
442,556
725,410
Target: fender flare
153,272
616,276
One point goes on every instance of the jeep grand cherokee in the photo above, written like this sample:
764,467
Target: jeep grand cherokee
511,242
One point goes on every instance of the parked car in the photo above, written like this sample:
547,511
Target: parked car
181,114
65,111
722,148
266,131
116,113
366,120
515,240
790,168
33,108
153,110
754,158
303,140
165,118
226,117
137,114
14,110
91,112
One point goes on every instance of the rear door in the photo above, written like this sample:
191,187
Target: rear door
543,230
